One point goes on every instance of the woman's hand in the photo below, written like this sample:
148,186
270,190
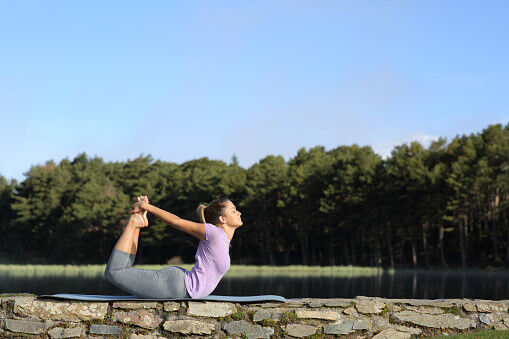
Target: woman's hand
140,205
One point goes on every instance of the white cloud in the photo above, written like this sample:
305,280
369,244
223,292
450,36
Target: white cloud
384,148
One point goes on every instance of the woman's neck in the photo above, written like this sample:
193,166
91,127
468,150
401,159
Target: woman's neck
228,230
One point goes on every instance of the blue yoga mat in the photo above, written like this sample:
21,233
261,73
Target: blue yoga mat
96,297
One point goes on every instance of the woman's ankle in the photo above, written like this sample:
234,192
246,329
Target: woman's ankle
134,222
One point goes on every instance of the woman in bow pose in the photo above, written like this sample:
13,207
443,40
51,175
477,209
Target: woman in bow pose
219,220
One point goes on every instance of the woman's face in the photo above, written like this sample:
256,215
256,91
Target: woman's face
231,215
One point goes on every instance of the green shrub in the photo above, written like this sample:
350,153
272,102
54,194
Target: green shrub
268,322
385,310
288,317
454,310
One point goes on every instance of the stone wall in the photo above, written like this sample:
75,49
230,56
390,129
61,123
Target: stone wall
25,315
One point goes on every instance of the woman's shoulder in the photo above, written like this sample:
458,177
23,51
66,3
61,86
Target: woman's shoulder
211,231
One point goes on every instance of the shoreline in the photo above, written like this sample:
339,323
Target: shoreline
289,268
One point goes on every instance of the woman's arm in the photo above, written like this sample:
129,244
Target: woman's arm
190,227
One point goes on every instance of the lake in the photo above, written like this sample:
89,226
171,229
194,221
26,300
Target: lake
387,284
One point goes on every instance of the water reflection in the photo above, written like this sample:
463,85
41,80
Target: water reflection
399,284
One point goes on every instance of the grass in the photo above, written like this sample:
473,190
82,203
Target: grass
241,314
235,270
268,322
385,310
491,334
454,310
288,318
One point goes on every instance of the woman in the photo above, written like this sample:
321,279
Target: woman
219,220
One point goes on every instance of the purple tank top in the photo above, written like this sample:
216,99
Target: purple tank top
212,262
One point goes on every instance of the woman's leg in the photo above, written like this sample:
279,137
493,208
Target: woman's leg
165,283
128,241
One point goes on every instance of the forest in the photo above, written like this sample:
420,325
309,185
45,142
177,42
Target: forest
441,207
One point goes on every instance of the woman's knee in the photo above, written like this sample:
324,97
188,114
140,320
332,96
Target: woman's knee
111,275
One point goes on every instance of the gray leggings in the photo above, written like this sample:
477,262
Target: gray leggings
166,283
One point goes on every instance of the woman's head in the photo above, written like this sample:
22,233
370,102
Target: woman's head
219,212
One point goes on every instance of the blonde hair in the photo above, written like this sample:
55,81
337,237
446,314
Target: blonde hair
200,213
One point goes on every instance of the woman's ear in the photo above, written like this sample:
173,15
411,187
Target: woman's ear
222,219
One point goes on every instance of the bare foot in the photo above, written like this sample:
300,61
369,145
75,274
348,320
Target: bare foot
144,214
145,219
136,220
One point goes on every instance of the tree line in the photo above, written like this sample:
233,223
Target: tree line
437,207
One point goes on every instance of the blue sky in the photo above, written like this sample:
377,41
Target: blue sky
182,80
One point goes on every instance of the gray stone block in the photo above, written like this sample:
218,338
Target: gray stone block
317,314
171,306
105,329
189,326
70,332
24,326
425,309
300,330
316,303
425,302
489,307
145,336
249,330
3,314
369,307
411,330
351,311
142,317
266,314
60,310
379,323
446,320
361,324
339,327
295,302
134,305
469,307
337,303
392,334
492,318
210,309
